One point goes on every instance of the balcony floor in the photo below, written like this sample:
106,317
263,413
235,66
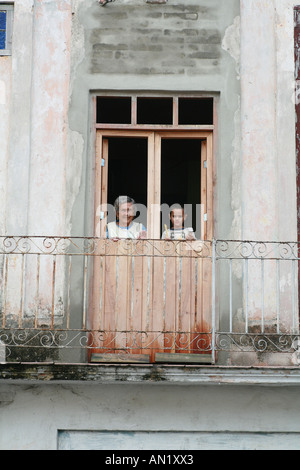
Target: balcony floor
148,374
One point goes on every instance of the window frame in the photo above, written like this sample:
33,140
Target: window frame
134,124
154,173
9,8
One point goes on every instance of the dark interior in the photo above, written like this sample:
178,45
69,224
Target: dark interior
127,170
155,110
180,173
192,111
113,110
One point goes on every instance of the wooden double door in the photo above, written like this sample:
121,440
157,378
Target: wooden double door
151,299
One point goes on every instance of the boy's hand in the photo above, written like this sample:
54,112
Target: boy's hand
190,236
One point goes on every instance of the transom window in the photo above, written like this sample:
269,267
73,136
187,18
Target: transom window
145,110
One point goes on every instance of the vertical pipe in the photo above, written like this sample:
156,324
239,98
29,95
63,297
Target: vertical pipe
68,291
84,292
101,302
148,292
179,326
262,295
37,293
53,290
230,295
21,292
213,299
246,293
297,120
278,295
294,292
5,289
164,293
196,293
116,316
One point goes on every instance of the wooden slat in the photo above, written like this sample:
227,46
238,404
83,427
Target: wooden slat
209,208
171,303
104,184
127,358
98,182
175,111
147,297
94,315
121,313
206,323
157,319
157,186
110,289
137,297
151,188
203,189
183,358
184,313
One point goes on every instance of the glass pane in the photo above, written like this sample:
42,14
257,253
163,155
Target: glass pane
113,110
194,111
155,110
3,20
2,39
2,29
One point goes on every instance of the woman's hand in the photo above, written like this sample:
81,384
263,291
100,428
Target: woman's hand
142,235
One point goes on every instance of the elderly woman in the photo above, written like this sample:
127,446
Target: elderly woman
124,227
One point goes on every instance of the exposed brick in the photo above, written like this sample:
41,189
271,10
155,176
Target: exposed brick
141,40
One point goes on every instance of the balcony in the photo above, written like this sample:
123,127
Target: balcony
91,300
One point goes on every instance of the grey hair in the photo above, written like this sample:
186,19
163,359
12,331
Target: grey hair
121,200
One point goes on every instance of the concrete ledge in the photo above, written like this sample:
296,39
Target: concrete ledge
148,374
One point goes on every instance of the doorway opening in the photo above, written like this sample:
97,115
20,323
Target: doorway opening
181,178
151,297
127,172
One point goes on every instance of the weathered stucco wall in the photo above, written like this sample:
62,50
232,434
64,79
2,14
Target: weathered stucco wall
268,120
202,417
34,163
63,52
47,146
176,47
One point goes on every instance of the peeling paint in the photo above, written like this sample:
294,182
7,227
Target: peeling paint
231,42
74,172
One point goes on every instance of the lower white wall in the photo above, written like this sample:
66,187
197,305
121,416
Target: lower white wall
48,416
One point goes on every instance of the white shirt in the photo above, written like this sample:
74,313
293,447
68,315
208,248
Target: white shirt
113,230
178,233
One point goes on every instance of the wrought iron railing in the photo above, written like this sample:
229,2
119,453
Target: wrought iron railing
69,298
264,316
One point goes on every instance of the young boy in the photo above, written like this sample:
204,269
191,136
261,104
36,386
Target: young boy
177,230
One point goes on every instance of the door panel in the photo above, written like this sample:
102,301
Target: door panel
151,299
